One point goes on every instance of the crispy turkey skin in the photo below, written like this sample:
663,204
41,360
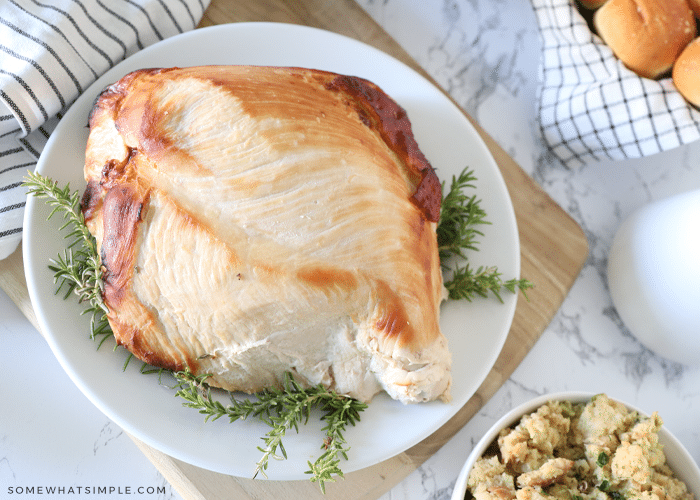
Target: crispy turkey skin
254,221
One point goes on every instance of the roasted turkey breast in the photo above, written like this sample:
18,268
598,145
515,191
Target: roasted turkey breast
254,221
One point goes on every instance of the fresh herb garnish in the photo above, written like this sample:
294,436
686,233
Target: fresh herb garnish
466,283
603,459
79,270
460,218
458,231
282,409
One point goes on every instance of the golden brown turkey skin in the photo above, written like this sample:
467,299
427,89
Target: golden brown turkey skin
254,221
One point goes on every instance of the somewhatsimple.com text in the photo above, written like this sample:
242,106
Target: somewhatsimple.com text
86,490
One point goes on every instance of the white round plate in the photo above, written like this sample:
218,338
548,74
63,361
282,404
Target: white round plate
476,331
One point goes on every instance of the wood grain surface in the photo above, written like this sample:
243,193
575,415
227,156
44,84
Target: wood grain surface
553,250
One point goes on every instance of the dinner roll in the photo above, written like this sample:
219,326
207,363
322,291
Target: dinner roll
593,4
686,72
646,35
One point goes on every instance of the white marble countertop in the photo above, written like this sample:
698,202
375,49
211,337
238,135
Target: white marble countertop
486,54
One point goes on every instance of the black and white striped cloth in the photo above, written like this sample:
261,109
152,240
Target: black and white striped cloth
591,107
50,52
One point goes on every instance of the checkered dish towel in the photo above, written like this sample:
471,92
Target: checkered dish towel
50,52
591,107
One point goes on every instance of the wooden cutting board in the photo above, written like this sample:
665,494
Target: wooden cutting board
553,250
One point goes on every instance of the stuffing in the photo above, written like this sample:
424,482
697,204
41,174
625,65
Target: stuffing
593,451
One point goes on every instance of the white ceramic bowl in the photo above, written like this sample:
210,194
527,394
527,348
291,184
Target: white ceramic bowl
677,457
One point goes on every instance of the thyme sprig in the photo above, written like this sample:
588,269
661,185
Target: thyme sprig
79,269
282,409
458,231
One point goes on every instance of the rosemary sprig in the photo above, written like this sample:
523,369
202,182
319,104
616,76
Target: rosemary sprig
466,283
460,216
282,409
457,232
79,269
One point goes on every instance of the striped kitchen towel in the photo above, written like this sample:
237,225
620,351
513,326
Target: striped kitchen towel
591,107
50,52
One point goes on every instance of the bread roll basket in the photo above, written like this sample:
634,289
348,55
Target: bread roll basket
591,107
